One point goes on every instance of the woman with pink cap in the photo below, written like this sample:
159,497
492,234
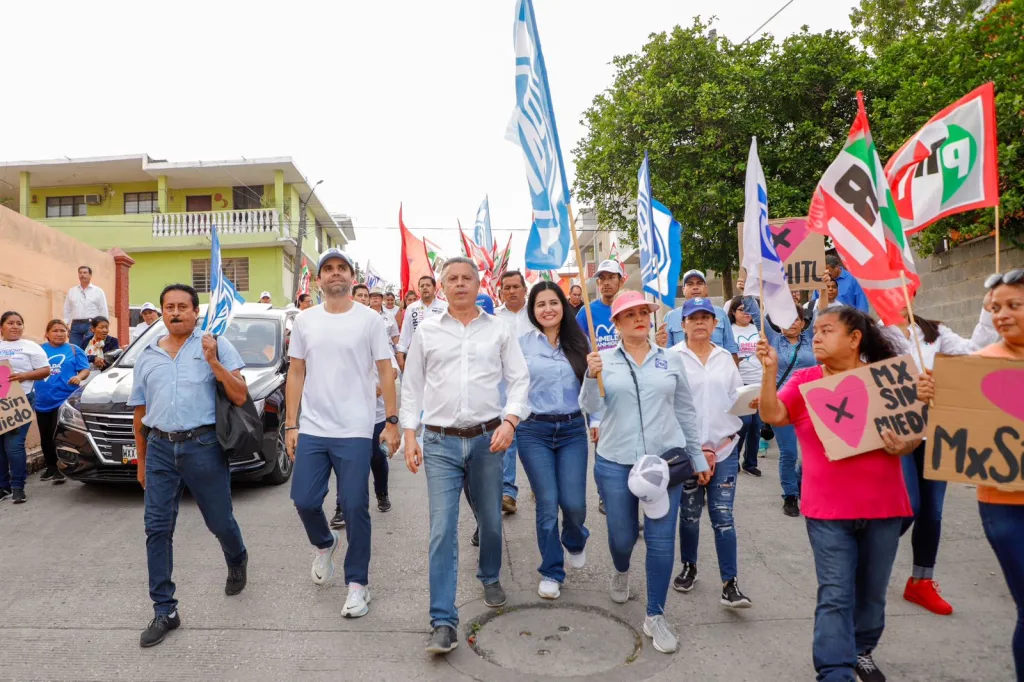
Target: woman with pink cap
646,410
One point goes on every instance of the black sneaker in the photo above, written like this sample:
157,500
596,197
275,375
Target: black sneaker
791,506
475,540
338,521
5,493
383,503
158,629
600,506
49,473
753,471
18,496
442,640
59,478
237,578
866,669
733,598
494,595
686,578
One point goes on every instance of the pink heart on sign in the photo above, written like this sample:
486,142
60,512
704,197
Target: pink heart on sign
844,410
5,380
1003,389
788,236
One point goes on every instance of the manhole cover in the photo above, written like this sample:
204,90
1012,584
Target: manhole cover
563,641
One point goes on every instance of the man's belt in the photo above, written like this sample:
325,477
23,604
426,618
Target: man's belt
556,418
85,320
182,436
468,432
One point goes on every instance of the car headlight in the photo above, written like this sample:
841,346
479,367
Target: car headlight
69,416
259,405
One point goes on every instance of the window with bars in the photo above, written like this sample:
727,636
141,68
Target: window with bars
235,269
247,198
141,202
65,207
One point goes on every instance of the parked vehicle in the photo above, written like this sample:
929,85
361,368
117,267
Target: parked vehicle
95,438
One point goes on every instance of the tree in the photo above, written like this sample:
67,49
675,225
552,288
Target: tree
880,23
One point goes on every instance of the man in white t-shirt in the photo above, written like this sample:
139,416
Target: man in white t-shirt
333,349
417,312
377,303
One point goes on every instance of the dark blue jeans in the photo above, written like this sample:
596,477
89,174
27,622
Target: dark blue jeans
1004,528
926,499
789,474
554,456
853,561
378,464
721,496
750,440
509,486
315,457
79,332
201,465
623,515
13,458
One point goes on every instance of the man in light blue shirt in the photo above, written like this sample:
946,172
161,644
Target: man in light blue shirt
174,394
695,285
850,291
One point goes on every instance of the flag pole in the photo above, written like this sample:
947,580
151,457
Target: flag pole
583,286
760,307
912,321
997,239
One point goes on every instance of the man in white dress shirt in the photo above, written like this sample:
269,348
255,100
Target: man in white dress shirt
416,313
458,359
83,303
513,292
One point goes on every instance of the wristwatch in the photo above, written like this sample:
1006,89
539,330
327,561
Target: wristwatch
392,419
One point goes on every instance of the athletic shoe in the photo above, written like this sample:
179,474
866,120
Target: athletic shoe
549,589
508,504
237,578
59,478
753,471
158,629
475,540
664,640
686,578
442,640
791,506
49,473
5,493
866,669
358,602
600,506
494,595
619,590
338,520
323,564
383,503
577,560
733,598
926,593
18,496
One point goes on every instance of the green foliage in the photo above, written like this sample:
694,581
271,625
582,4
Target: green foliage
880,23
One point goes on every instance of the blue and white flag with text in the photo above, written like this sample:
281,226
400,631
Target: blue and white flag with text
482,228
533,128
224,299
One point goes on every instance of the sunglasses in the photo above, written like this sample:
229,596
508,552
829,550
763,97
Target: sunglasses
1011,277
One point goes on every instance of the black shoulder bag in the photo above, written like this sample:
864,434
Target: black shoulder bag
239,427
680,467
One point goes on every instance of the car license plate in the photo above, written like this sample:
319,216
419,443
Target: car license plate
129,455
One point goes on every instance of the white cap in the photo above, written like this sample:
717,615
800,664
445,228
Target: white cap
148,306
377,291
611,266
648,480
265,294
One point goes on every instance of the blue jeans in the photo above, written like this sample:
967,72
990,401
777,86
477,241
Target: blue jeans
623,530
449,461
1004,528
853,561
13,458
201,465
785,438
926,499
750,440
378,465
509,480
79,332
315,457
721,495
554,456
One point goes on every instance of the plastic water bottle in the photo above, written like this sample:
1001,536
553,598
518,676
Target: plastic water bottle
386,449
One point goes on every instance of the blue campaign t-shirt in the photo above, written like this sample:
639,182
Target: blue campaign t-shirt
65,362
607,337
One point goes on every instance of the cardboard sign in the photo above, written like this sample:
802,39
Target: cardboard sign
14,408
976,428
801,251
850,410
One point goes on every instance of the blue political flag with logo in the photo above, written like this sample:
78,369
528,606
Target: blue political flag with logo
224,299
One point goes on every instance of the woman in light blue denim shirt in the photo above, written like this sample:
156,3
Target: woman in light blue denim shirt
669,421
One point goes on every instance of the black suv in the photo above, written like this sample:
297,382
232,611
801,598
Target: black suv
95,440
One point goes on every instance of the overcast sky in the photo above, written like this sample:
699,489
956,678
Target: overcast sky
385,101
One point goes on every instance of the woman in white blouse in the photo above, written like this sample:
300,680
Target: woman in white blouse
714,383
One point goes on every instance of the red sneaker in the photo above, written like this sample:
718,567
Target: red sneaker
926,593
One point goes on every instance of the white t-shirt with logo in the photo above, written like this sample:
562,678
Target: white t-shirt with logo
392,313
340,351
750,367
24,356
415,315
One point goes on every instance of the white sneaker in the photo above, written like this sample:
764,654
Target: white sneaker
577,560
664,640
549,589
358,602
619,590
323,564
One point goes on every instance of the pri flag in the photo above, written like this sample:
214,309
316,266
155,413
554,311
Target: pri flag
224,299
482,229
950,165
853,205
415,263
533,128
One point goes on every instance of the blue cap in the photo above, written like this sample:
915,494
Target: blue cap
485,302
334,253
698,305
693,273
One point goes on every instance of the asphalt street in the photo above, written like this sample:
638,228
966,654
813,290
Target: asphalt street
73,599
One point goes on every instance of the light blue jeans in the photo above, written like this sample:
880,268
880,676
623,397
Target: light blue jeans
785,438
509,486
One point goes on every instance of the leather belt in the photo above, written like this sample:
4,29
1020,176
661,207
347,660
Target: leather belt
85,320
468,432
556,418
182,436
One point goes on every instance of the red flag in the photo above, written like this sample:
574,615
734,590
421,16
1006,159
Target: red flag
415,263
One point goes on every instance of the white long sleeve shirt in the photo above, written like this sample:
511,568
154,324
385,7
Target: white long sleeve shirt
714,388
947,343
519,321
415,315
452,373
85,304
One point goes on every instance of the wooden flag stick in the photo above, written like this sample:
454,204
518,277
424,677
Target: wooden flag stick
586,297
913,322
997,239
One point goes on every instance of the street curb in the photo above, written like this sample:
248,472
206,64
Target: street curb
34,461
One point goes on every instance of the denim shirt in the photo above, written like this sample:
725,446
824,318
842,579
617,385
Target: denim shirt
180,393
554,388
669,415
721,336
804,352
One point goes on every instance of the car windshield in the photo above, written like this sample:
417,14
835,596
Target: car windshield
257,339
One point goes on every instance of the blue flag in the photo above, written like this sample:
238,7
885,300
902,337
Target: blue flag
224,299
665,259
482,228
373,278
533,128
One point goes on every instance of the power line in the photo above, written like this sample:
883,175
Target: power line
777,13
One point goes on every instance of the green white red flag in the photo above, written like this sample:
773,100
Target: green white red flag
950,165
854,206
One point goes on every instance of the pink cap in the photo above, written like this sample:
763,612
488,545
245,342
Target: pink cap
630,299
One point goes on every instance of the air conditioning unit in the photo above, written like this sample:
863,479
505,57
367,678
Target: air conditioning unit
94,199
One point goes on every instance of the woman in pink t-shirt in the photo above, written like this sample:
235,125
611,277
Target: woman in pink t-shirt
854,506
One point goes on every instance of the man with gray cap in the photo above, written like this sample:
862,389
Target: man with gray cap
670,333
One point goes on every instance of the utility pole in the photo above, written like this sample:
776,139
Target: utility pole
297,264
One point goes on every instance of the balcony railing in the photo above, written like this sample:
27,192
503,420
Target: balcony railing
263,220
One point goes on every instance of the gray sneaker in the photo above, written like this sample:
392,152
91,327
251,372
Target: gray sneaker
619,591
494,595
664,640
